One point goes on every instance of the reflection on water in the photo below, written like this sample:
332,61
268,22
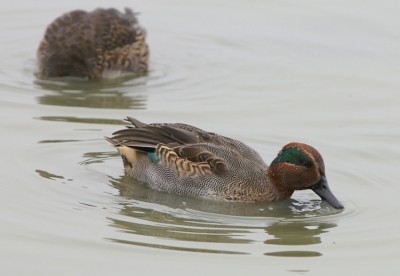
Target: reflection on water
294,254
56,141
119,93
81,120
52,176
198,250
48,175
200,222
319,72
98,157
297,233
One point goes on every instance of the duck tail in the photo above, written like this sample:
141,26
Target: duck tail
128,154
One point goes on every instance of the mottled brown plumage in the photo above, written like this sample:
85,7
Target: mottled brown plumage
93,45
183,159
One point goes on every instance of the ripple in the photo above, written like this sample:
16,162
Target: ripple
250,72
48,175
118,93
196,224
175,62
144,217
183,249
81,120
199,224
294,254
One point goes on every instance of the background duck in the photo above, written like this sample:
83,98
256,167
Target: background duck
93,45
180,158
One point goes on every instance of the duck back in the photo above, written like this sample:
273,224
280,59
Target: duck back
93,45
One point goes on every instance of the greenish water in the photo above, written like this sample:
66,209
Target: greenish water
266,73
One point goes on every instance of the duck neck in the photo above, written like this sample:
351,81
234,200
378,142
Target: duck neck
278,183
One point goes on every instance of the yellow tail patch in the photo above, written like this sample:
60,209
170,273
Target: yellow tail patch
129,156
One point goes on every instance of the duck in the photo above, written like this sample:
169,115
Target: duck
100,44
183,159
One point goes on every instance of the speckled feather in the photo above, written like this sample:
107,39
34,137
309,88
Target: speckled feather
93,45
193,161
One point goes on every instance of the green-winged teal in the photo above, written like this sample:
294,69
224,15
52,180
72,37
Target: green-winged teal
93,45
180,158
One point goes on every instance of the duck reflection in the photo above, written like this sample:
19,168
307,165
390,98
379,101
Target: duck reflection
194,219
297,233
106,93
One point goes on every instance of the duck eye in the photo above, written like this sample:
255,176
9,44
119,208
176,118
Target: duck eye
307,163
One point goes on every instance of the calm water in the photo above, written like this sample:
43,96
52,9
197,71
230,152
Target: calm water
264,72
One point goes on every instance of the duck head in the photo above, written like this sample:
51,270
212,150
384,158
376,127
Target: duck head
298,167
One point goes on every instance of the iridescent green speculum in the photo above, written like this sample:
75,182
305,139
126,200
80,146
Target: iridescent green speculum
294,156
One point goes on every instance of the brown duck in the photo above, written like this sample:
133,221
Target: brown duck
93,45
183,159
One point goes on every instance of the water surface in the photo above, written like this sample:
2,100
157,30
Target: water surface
266,73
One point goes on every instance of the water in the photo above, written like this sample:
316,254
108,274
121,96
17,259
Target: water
266,73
